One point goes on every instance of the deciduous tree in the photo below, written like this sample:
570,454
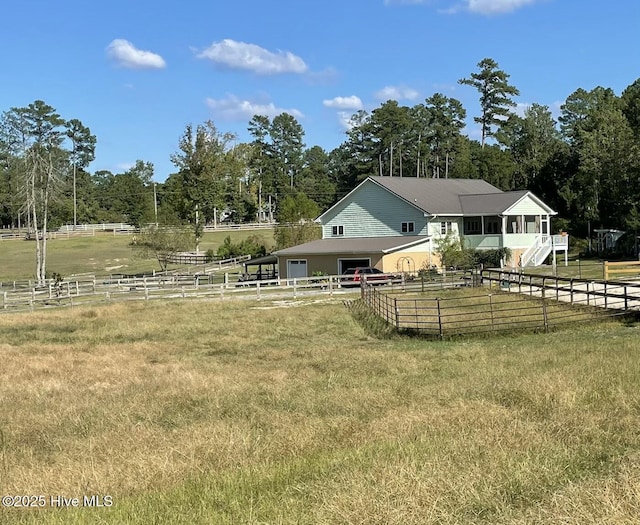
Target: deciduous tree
34,136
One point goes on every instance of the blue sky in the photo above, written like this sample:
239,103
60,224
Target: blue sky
138,71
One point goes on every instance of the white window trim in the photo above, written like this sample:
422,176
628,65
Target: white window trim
448,227
338,229
407,227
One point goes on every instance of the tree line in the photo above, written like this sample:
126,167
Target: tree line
585,164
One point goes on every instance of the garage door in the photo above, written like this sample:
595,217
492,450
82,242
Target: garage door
345,264
296,268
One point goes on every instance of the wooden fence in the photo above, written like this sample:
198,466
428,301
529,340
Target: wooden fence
88,289
200,286
621,268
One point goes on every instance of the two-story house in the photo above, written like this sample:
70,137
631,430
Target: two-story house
393,223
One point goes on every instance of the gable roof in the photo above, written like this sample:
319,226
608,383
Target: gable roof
448,196
435,196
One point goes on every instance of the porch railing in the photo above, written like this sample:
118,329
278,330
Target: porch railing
542,247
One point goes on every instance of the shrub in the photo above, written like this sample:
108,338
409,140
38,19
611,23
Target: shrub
252,245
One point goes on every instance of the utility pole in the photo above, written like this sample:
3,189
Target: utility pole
260,201
75,202
155,203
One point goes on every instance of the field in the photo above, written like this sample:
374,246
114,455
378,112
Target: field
239,412
102,254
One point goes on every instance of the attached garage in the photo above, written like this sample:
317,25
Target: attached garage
335,256
296,268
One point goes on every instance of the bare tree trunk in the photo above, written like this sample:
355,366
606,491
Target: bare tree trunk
45,216
34,218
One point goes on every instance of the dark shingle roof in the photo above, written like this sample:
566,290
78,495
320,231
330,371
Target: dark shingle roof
436,196
491,203
350,245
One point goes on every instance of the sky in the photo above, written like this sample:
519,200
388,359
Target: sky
137,72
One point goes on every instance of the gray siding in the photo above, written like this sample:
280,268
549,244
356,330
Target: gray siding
372,211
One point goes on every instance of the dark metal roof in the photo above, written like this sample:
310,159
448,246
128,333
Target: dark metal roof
266,259
435,196
349,245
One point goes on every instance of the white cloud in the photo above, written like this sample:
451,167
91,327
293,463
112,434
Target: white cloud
352,102
240,55
489,7
396,93
234,109
125,54
344,118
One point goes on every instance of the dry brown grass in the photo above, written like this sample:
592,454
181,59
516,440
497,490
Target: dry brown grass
230,413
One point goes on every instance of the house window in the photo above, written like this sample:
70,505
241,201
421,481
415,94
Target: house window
337,230
492,225
408,227
473,226
446,227
532,224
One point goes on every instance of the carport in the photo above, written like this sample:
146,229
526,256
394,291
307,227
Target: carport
261,268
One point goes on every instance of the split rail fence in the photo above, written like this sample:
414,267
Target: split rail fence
91,291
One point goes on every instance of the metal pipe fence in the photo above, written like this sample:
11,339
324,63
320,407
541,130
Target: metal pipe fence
543,302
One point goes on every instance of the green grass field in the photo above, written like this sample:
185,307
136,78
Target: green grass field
102,254
238,412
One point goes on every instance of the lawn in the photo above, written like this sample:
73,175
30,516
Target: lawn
238,412
102,254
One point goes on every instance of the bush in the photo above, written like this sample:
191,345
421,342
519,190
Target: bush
253,245
453,254
490,258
